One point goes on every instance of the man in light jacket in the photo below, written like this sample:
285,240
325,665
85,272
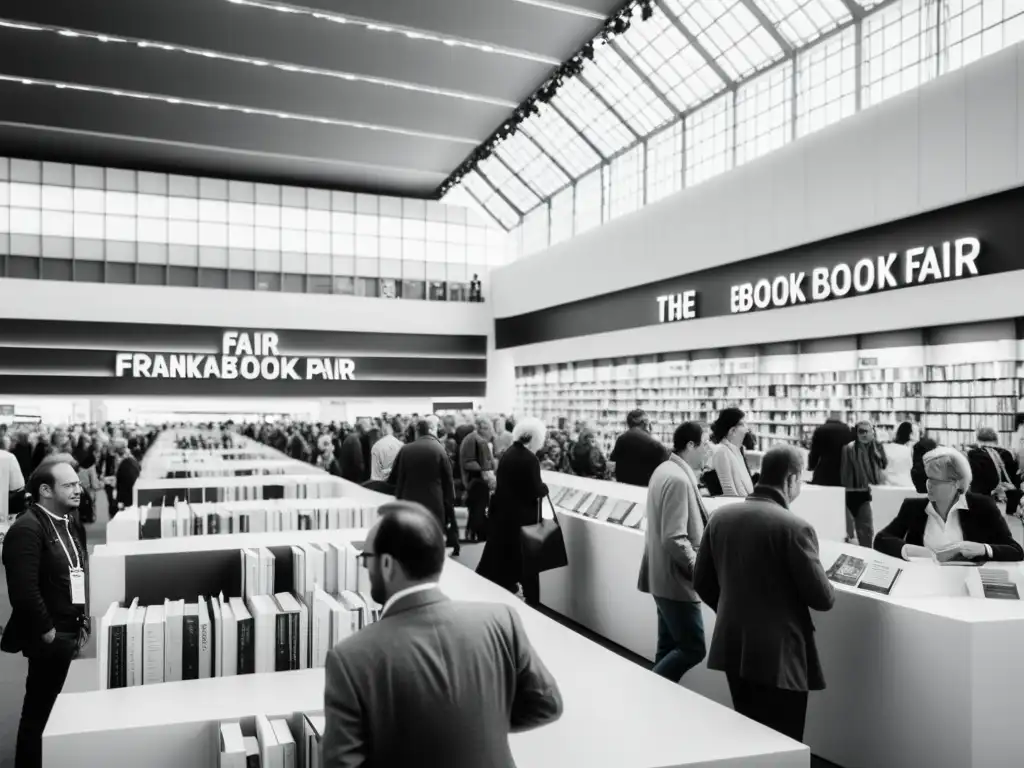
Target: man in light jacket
675,523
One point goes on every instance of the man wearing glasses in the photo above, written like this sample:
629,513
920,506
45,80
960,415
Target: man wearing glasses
46,566
434,681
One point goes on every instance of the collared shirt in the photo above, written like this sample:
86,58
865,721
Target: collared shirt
405,593
382,457
939,533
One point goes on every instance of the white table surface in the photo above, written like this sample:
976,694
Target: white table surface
617,715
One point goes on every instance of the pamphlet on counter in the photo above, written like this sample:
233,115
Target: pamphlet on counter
871,575
995,583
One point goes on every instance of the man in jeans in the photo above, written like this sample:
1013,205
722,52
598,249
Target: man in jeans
675,523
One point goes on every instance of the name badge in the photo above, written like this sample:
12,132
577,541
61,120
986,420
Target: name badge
78,586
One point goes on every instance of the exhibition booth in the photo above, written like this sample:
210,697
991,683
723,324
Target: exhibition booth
915,678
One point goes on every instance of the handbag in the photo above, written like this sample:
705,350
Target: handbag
543,544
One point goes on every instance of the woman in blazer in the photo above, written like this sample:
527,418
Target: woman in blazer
729,431
517,493
951,520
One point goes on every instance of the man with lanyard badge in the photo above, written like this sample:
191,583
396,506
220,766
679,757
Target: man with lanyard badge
46,581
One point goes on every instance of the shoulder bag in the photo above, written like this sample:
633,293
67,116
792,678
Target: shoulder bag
543,544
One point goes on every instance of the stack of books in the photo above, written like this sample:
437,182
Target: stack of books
183,518
270,742
263,630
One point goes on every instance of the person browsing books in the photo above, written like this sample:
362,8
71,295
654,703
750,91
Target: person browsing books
675,522
758,569
46,564
951,523
433,682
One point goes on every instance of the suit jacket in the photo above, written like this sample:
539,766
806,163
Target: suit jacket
435,684
350,459
675,524
475,458
982,522
826,452
127,474
636,455
758,569
423,473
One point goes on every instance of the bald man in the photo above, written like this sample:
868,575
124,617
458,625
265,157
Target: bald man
434,683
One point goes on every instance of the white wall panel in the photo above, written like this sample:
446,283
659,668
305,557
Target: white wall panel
991,124
248,309
955,138
942,147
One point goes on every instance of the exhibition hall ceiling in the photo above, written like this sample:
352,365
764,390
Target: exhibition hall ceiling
387,96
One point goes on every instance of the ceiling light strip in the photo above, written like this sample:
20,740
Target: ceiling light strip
573,10
237,108
319,161
408,32
284,66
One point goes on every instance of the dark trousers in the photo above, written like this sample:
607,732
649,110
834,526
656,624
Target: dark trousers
530,582
47,671
478,494
860,518
680,638
111,503
779,709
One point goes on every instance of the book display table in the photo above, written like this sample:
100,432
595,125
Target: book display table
617,715
925,677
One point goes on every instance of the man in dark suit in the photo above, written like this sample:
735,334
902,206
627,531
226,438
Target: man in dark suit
758,569
433,683
422,473
827,450
636,453
46,560
351,458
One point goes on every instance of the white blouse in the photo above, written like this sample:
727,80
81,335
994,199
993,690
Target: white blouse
899,460
729,464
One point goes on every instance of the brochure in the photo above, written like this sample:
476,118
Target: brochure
997,584
880,577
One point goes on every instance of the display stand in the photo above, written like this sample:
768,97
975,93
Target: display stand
205,466
199,489
917,679
616,714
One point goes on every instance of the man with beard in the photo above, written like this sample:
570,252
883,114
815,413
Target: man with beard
45,562
433,681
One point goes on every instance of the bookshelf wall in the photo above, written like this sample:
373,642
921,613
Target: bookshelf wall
951,381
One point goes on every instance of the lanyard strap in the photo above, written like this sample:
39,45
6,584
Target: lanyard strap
77,565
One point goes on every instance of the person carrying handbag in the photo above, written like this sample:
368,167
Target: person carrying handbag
518,491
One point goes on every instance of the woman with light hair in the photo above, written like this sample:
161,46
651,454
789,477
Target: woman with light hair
951,523
518,492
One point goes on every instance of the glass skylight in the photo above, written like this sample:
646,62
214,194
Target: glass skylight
501,211
625,91
560,140
729,32
801,21
503,179
531,164
592,118
662,53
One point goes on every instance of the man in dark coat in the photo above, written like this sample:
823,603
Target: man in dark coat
351,457
758,570
637,453
423,473
827,450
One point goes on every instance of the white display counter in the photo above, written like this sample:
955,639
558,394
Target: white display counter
925,678
822,506
616,714
206,466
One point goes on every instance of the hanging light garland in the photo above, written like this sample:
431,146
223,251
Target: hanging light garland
617,25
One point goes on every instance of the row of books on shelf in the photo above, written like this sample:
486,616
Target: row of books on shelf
211,471
598,507
270,742
224,636
185,518
235,489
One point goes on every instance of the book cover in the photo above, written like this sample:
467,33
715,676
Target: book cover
847,570
286,741
997,584
228,639
190,643
282,644
880,577
232,746
173,615
246,648
205,639
620,511
136,623
153,646
117,662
